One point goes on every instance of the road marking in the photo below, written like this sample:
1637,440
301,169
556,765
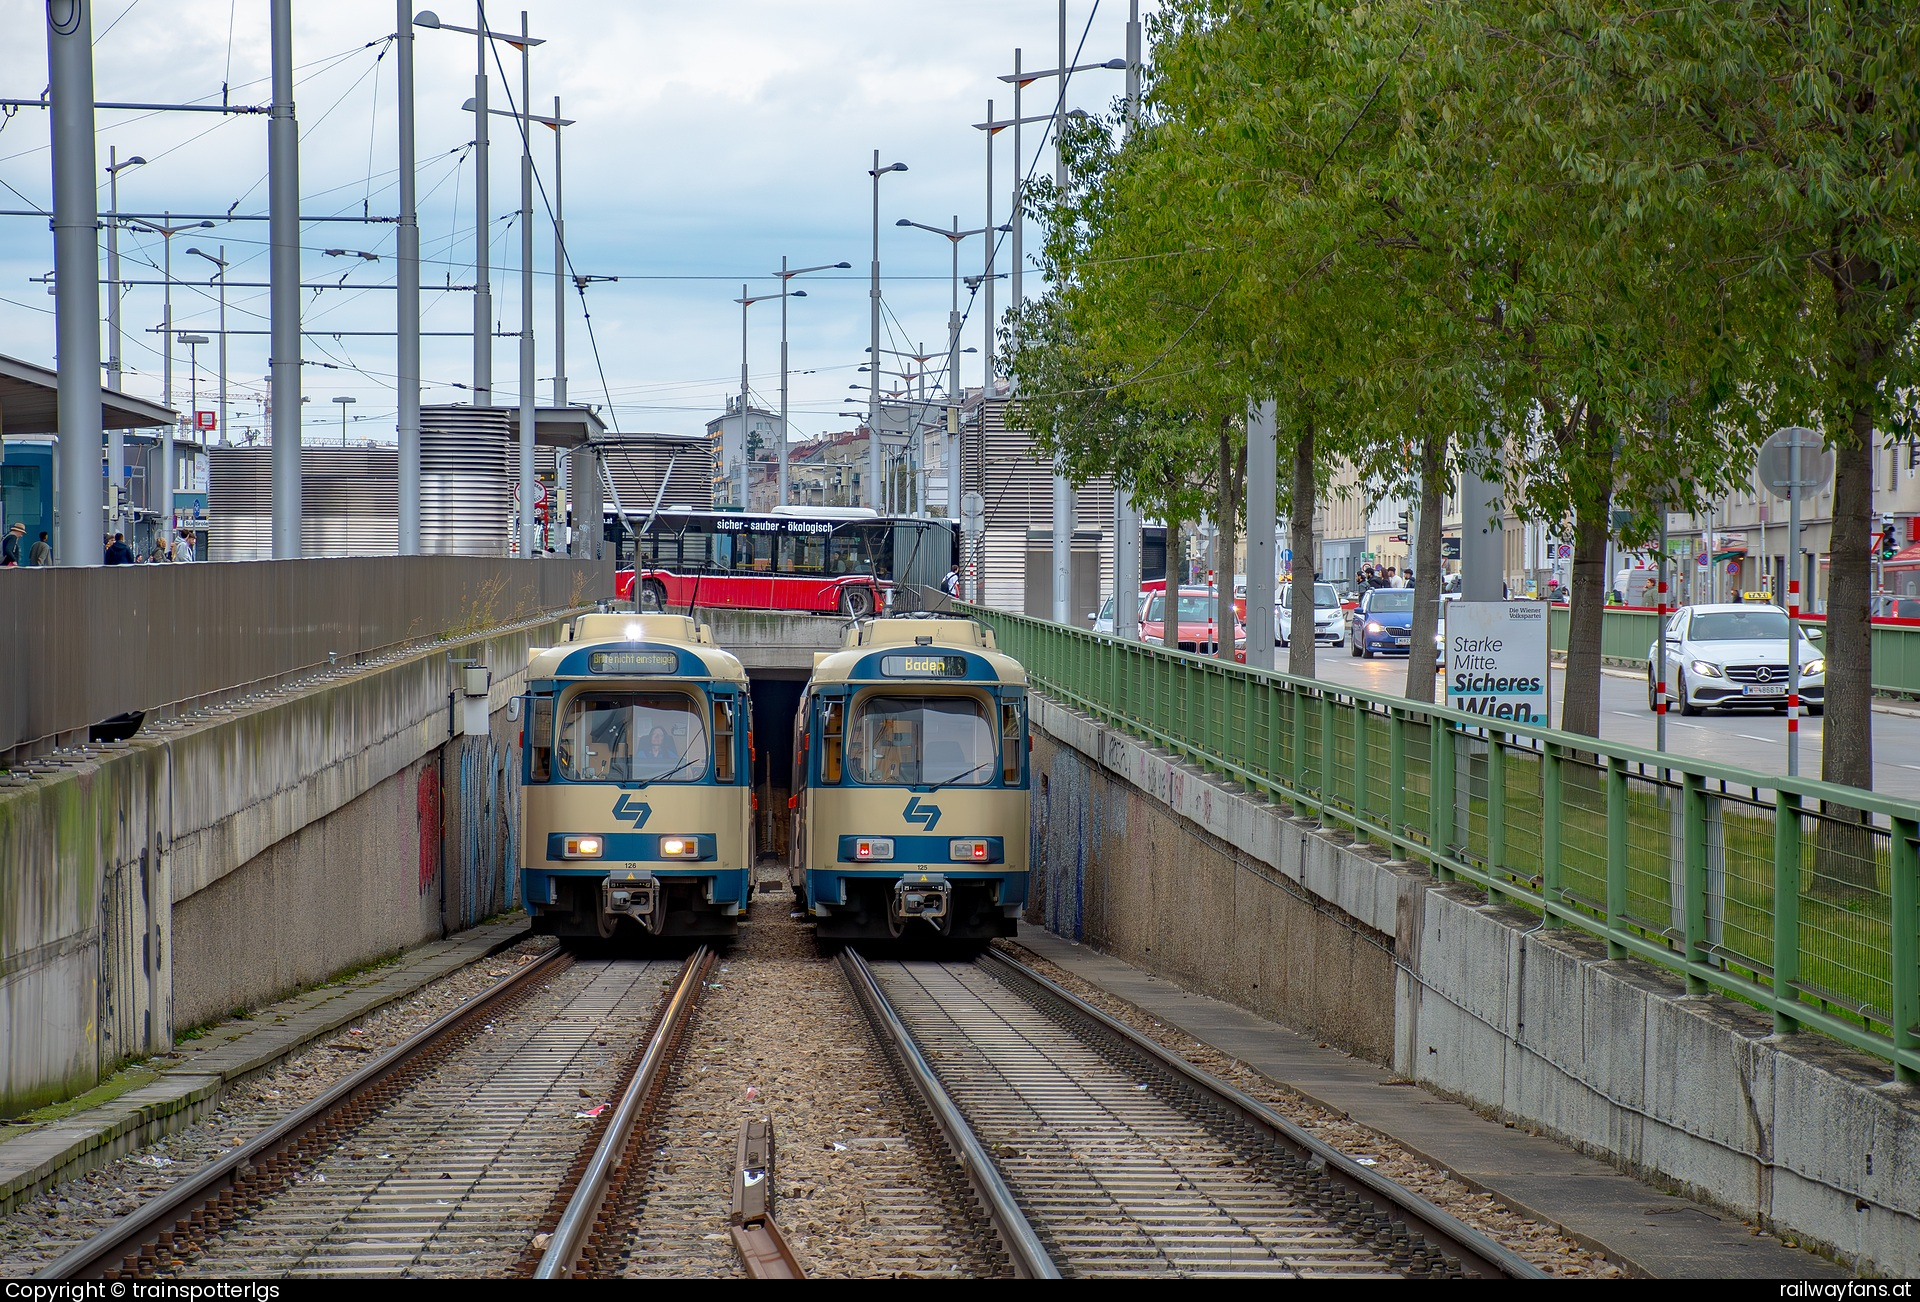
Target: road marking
1750,737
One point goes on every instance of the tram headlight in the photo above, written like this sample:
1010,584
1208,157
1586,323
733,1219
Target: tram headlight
972,851
582,847
679,847
870,848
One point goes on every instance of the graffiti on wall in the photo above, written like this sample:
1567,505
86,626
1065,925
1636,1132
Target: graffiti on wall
427,814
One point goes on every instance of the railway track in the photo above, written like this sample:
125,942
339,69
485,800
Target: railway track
433,1159
1098,1153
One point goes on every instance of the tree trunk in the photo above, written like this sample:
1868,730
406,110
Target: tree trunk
1176,571
1300,540
1848,645
1580,688
1228,516
1426,567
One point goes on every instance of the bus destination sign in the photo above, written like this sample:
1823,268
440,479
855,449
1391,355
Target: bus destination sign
922,665
633,662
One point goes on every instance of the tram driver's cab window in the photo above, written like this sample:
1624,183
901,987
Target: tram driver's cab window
922,741
612,736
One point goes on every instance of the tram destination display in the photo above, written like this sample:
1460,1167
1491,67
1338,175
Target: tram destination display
923,666
633,662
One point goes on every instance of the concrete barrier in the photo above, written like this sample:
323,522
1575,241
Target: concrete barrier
1189,877
233,858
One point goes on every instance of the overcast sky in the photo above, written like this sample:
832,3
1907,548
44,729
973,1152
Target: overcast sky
712,138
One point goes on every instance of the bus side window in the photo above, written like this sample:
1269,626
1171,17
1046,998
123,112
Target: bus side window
540,739
831,728
1010,744
723,739
723,550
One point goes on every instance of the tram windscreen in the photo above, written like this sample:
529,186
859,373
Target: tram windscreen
632,737
922,741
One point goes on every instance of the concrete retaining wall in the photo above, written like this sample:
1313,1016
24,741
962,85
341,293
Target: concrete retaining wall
1192,878
231,860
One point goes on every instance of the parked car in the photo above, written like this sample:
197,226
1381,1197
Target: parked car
1199,630
1382,624
1329,620
1103,622
1735,656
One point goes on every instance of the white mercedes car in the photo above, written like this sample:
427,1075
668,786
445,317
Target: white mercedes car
1329,620
1735,657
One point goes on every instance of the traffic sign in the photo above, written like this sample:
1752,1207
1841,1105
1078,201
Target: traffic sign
204,420
973,512
1776,461
1286,555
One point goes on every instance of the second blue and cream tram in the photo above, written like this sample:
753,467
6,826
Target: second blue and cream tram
910,804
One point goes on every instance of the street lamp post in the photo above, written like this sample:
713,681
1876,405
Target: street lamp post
953,237
220,277
193,343
746,451
116,446
344,401
873,295
166,230
786,276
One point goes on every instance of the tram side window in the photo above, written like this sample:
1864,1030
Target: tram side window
614,736
1010,743
922,740
540,739
832,716
723,739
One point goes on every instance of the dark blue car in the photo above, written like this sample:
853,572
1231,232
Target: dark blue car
1383,622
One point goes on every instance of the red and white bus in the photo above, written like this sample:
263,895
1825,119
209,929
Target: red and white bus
824,560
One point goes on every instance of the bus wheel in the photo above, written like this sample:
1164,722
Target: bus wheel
653,595
856,602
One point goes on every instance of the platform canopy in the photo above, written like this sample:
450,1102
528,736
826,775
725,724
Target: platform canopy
30,403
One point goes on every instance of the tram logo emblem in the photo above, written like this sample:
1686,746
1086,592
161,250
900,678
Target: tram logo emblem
629,810
926,815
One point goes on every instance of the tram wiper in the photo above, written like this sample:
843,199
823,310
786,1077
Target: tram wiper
957,778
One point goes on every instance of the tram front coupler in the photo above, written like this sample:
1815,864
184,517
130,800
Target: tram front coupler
635,895
928,897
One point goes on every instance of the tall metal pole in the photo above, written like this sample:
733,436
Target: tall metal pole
562,466
970,566
1660,630
745,302
953,377
406,301
283,207
116,445
529,400
482,286
1014,297
1793,603
166,378
223,343
780,496
1062,490
1126,517
76,260
873,369
1262,476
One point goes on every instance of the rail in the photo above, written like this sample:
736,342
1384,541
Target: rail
219,1192
570,1242
1024,1249
1478,1254
1796,895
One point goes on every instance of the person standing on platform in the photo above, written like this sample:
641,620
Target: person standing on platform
42,553
118,553
10,546
183,546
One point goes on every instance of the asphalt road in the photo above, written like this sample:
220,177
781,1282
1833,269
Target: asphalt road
1750,739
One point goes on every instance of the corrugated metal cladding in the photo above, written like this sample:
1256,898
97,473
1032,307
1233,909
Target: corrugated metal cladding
1018,487
349,502
467,474
638,463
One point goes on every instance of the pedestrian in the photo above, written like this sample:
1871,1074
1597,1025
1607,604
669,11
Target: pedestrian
183,546
10,546
160,551
42,553
951,584
118,553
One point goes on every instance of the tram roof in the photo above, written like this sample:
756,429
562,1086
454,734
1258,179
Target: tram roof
870,637
681,632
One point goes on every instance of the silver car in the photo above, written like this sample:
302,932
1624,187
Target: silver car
1734,656
1329,620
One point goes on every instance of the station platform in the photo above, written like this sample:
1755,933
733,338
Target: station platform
1647,1231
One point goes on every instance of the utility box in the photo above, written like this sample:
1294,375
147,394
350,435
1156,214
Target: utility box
475,684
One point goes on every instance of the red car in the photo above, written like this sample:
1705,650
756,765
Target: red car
1199,622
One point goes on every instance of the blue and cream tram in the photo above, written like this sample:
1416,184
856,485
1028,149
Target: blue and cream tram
636,781
911,784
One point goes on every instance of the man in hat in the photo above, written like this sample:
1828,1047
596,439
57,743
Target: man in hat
10,547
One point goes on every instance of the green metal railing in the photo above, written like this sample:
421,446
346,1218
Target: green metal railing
1798,896
1625,635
